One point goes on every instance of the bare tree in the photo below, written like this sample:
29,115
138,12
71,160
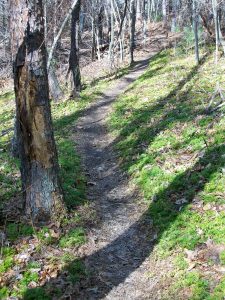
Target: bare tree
195,27
74,49
132,29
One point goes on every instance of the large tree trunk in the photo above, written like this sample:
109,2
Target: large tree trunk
74,50
39,167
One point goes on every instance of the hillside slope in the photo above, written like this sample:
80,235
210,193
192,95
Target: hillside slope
172,145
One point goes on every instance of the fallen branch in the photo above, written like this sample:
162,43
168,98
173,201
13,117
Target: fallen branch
220,104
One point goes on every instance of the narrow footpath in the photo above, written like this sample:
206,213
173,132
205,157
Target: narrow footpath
118,247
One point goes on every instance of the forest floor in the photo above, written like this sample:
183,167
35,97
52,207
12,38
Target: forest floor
146,197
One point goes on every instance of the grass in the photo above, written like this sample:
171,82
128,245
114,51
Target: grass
14,230
198,286
19,233
7,259
175,152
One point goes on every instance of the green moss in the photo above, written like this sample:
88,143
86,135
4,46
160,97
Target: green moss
4,293
36,294
74,237
76,270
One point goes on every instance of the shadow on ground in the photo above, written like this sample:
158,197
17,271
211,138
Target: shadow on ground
137,242
132,247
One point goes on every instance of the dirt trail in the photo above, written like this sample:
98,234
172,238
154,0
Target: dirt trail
119,246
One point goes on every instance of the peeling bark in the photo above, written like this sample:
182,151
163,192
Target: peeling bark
39,167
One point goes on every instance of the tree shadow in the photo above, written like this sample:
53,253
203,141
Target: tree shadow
8,188
171,110
112,264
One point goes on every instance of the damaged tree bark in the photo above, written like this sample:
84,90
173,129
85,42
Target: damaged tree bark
39,166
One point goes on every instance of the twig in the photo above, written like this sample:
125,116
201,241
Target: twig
206,143
220,104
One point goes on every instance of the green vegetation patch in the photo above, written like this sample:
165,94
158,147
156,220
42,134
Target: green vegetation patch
174,150
65,115
14,230
36,294
7,259
76,270
75,237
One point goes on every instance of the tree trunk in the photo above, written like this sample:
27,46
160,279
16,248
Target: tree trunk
74,50
144,17
108,21
215,14
138,10
93,46
164,11
132,29
57,37
39,166
111,46
174,16
54,87
100,25
195,28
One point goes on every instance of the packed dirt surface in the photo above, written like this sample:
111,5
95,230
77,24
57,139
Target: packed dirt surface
119,246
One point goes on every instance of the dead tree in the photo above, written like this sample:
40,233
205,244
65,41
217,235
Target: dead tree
37,151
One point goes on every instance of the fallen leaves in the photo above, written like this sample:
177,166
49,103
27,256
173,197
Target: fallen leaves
205,257
49,271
